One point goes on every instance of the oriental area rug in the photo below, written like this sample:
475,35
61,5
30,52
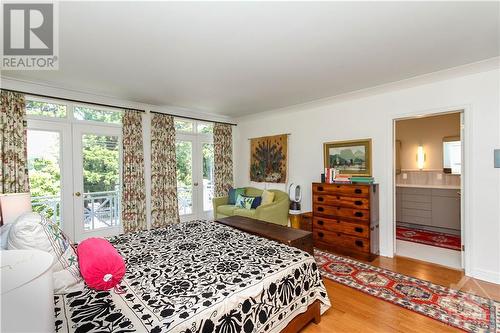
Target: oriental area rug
459,309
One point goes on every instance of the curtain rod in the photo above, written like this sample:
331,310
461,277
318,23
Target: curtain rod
287,134
110,106
74,100
193,118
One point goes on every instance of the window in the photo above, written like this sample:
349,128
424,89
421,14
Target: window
94,114
206,128
45,109
183,125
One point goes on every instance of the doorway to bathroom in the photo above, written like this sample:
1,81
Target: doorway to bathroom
428,188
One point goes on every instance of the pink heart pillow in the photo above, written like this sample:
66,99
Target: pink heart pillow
101,265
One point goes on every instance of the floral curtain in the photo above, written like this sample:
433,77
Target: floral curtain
13,154
133,188
164,206
223,158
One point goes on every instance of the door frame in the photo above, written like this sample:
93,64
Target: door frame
467,230
78,129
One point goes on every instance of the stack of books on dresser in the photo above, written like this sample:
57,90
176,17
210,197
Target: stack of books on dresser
362,180
333,176
342,179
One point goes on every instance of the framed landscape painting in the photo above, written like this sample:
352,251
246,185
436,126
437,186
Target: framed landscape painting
349,157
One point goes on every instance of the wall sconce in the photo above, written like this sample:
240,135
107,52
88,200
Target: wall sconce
420,157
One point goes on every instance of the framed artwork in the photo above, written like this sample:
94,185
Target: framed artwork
268,159
349,157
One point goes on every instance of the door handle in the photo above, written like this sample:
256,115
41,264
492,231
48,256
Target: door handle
77,194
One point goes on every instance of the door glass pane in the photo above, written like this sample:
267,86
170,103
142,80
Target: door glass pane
184,154
208,175
101,181
92,114
45,109
44,157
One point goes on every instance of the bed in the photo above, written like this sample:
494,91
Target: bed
199,276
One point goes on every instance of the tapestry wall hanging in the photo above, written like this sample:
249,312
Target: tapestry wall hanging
268,159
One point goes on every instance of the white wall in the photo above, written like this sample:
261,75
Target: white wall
370,116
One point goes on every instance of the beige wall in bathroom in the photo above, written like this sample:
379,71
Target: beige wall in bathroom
428,132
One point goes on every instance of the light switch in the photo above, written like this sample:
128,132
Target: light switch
497,158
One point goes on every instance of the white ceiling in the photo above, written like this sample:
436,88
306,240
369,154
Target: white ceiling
237,58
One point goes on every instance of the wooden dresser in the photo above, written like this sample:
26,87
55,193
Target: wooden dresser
345,219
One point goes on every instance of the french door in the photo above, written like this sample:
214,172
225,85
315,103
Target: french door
96,180
195,186
74,165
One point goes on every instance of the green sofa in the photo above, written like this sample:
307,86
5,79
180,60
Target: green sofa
275,212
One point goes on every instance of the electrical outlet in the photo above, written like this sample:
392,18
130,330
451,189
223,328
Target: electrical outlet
405,176
439,176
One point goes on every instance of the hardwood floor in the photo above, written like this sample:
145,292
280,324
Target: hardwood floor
353,311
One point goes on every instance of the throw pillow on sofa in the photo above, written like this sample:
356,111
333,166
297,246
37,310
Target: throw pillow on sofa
32,231
233,195
244,202
267,197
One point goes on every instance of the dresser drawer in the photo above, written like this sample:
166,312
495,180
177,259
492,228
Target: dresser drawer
340,240
338,200
337,211
349,228
339,189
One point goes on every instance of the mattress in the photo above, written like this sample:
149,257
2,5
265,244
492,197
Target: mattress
198,276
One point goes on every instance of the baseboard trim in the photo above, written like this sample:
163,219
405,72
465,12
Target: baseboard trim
485,275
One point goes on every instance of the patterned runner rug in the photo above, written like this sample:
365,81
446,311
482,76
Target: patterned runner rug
456,308
439,239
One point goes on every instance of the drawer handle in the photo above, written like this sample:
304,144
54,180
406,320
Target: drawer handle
358,229
358,202
358,214
320,222
357,191
338,186
359,243
338,208
321,199
320,188
320,234
320,209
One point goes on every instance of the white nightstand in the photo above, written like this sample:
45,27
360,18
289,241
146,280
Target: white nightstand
27,291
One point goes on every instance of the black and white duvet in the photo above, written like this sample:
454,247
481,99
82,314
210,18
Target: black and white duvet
198,276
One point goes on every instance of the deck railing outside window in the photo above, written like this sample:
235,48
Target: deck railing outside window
101,209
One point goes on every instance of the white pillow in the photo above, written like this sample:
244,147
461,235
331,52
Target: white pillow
4,235
32,231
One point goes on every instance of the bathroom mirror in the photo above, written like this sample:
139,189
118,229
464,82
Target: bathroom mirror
452,155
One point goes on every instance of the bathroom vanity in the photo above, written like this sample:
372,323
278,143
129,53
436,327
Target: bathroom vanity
429,205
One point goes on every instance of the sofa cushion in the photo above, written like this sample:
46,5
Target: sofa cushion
227,210
244,202
233,194
267,197
244,212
